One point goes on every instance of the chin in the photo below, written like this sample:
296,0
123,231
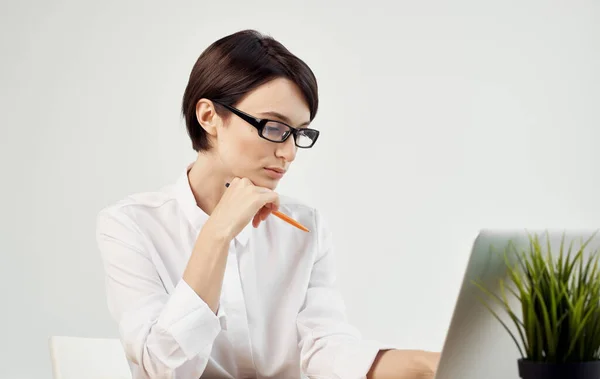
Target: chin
269,183
261,179
265,181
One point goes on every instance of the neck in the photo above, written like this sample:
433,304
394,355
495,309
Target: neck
207,179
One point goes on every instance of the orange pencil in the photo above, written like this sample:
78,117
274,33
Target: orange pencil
290,220
286,218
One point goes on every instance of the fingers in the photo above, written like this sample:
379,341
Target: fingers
258,201
269,202
269,197
256,221
239,182
274,206
262,215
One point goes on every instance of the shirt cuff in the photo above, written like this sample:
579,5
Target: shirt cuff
190,321
222,316
354,360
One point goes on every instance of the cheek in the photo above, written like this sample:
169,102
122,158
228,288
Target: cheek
242,148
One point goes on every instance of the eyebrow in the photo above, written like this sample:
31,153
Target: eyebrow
282,118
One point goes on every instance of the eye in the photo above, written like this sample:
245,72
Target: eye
274,129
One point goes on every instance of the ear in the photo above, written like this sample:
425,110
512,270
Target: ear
207,116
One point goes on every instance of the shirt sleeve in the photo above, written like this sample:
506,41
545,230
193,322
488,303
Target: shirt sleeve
330,346
164,334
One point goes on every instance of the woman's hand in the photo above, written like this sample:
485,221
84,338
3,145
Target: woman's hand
241,203
427,363
404,364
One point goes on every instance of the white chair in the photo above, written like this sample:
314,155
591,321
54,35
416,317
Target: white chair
89,358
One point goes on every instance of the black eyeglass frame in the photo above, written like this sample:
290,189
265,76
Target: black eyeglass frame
259,124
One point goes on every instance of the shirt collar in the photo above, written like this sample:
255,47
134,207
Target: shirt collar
196,216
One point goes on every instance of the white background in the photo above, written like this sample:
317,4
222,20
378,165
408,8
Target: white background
438,119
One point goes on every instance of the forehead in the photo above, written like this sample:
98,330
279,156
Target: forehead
279,96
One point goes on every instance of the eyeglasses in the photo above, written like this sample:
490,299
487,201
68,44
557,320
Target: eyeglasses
276,131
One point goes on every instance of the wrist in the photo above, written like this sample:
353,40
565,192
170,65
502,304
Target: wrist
215,234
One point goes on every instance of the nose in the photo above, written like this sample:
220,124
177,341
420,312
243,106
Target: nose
287,150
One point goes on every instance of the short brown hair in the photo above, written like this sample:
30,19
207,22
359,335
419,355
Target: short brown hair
235,65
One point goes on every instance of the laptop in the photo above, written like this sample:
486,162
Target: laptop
477,345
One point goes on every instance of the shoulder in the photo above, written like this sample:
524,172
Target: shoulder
128,211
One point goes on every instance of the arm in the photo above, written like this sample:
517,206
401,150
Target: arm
240,203
170,335
206,268
163,334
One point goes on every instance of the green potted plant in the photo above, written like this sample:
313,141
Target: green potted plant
558,323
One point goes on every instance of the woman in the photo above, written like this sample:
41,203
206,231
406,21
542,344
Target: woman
201,280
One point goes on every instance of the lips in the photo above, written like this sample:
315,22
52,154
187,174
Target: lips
275,172
276,169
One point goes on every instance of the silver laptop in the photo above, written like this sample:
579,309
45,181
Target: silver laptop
477,345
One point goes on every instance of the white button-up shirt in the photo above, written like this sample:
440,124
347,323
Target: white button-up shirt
280,315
